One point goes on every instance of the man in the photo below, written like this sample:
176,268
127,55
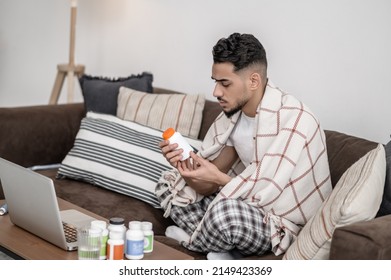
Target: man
262,171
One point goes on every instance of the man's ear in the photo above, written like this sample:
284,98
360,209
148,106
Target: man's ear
255,80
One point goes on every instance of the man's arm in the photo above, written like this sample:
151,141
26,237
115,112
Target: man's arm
205,176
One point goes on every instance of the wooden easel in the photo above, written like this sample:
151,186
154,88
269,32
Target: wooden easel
70,70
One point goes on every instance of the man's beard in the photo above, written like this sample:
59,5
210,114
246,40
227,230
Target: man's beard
236,109
233,111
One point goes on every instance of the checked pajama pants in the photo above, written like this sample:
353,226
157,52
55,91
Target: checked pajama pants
229,224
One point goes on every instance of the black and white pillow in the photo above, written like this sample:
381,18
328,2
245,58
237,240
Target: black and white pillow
118,155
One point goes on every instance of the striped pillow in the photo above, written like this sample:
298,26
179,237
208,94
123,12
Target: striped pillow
118,155
356,197
180,111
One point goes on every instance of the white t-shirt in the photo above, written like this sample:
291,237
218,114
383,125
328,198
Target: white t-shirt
241,138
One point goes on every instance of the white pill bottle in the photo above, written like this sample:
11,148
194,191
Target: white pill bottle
148,236
115,246
175,137
134,241
118,224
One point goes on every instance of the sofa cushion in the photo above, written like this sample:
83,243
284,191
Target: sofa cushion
183,112
385,206
39,135
356,197
343,150
101,93
118,155
211,111
367,240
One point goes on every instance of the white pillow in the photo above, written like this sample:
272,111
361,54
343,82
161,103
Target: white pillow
183,112
356,197
118,155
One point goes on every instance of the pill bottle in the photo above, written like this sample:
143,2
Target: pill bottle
115,246
134,241
118,224
148,236
105,235
175,137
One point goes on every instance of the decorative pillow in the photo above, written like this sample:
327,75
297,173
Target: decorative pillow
180,111
356,197
101,94
117,155
385,206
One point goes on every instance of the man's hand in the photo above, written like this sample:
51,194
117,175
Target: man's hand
202,175
169,151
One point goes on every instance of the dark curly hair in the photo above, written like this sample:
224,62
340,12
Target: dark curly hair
242,50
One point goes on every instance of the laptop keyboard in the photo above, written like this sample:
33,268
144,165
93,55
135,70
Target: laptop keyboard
70,232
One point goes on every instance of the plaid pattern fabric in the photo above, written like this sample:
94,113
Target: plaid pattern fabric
288,178
229,224
187,217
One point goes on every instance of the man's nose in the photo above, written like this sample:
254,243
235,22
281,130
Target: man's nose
217,91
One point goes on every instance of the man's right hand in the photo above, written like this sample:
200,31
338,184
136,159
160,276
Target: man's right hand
171,153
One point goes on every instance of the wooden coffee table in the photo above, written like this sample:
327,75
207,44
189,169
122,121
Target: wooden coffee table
28,246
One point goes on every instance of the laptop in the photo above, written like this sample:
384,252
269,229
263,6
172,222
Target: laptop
33,206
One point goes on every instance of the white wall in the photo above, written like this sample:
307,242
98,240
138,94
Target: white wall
333,55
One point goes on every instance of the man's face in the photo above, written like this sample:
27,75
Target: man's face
230,89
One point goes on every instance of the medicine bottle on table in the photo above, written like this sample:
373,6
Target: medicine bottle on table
105,236
148,236
115,246
118,224
175,137
134,241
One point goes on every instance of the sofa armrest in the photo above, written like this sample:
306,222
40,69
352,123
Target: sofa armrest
36,135
369,240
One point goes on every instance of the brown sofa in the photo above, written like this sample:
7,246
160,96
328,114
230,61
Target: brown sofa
42,135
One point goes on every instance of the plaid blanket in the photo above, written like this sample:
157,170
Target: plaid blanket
288,178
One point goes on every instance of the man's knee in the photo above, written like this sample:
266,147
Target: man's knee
221,213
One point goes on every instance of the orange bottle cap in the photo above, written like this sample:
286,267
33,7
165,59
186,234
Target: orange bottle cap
168,133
